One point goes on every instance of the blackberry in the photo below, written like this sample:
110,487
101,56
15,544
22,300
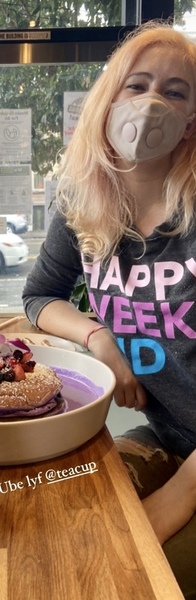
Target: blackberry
8,374
18,354
30,364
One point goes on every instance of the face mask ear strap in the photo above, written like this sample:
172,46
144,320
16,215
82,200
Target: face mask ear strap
191,127
191,118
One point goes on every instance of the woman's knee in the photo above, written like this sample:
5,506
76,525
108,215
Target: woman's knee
149,465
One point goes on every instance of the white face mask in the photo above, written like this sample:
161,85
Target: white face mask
145,127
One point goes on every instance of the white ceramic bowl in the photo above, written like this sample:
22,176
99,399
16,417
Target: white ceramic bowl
45,340
35,440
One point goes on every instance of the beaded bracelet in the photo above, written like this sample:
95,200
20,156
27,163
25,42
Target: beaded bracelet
86,339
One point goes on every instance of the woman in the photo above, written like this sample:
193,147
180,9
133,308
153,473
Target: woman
126,220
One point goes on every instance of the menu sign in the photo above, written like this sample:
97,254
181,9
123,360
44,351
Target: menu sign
72,108
15,189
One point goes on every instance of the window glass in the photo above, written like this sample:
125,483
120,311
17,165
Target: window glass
39,109
40,101
59,13
38,181
185,16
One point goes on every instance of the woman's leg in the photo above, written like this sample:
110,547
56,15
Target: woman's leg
150,466
148,462
180,551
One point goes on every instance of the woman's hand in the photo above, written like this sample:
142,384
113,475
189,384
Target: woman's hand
129,391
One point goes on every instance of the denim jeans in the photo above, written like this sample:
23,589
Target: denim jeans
150,465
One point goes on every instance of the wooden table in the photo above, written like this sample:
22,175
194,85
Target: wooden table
84,536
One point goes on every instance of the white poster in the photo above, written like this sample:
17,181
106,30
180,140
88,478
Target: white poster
15,135
15,189
72,108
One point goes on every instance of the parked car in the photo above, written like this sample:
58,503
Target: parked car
16,223
13,250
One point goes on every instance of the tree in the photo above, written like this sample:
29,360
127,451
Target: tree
59,13
180,7
41,88
70,13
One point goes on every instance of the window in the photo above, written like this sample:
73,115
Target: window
49,61
38,182
42,15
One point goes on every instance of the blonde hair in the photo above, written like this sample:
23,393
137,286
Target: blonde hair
91,192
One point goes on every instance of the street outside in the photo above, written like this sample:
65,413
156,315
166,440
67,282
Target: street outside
12,279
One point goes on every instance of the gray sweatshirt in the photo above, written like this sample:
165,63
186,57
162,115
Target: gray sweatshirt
148,302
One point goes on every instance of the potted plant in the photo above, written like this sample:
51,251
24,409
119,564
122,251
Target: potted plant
80,297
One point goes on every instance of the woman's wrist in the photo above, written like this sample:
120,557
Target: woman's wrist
93,331
100,342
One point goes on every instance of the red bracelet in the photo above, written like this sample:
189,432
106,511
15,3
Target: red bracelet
86,339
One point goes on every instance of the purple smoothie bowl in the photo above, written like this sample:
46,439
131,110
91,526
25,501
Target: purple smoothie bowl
88,387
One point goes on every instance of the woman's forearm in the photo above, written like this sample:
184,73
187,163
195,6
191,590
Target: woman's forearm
61,318
172,506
